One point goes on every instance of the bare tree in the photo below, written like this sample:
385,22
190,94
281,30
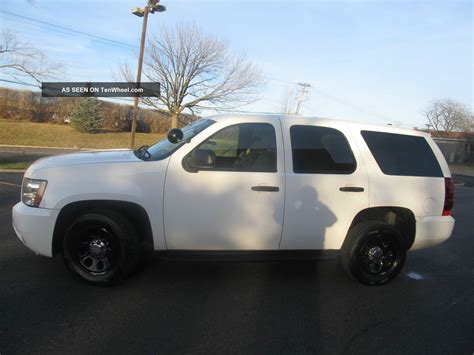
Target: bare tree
288,103
19,60
448,115
197,71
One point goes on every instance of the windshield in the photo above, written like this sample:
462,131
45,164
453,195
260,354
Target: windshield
165,148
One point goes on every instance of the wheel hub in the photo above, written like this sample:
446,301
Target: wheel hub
96,252
97,248
375,253
378,256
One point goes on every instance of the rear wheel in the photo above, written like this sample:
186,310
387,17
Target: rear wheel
373,252
101,246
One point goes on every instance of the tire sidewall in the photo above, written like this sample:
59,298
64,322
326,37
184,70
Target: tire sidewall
365,234
122,234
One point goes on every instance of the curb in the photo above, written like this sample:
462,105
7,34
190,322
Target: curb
12,170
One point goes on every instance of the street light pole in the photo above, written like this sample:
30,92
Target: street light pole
139,77
151,7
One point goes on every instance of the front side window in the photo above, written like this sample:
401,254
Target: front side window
320,150
243,147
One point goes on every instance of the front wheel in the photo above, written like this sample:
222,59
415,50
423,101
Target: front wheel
101,246
373,252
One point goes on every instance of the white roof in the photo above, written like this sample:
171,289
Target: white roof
326,122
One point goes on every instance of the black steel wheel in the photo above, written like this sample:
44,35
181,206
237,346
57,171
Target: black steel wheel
101,246
373,252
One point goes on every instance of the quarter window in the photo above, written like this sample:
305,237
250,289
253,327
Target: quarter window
402,154
320,150
244,147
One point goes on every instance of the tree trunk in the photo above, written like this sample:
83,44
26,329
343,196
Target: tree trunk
174,119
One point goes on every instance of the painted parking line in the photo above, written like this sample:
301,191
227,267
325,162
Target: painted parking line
9,184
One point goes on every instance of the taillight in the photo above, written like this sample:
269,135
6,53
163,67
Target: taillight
448,196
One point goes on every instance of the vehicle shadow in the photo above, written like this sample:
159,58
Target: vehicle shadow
306,220
286,306
269,306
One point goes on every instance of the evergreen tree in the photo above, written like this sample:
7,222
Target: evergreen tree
86,116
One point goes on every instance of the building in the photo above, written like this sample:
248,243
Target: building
457,147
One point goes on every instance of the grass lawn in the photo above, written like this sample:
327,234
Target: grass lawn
51,135
20,165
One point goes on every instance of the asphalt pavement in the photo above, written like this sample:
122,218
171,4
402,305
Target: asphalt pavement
205,307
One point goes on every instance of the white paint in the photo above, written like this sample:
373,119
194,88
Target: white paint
415,276
212,210
317,214
217,210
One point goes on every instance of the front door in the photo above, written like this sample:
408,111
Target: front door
235,204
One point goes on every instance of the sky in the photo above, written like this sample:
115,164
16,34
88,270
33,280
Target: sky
368,61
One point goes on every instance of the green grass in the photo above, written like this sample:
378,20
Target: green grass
63,136
20,165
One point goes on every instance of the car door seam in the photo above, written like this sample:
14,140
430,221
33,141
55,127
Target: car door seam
284,181
163,203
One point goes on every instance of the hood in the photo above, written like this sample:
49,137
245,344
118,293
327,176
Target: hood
92,157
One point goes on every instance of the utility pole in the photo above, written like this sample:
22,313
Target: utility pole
151,7
303,95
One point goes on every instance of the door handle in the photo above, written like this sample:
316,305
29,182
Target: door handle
266,188
351,189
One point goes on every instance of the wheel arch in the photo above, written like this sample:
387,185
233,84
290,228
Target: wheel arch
400,217
136,213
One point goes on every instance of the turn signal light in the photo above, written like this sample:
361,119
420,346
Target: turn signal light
448,196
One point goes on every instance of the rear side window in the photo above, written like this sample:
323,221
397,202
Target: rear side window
320,150
400,154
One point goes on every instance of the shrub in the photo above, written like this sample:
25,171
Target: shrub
86,117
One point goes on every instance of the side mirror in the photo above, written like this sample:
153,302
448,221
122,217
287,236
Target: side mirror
201,159
175,135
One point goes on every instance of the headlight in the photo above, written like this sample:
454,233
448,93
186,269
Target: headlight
32,191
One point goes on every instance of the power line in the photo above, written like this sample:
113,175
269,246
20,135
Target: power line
71,30
242,111
341,101
354,106
62,32
18,82
68,33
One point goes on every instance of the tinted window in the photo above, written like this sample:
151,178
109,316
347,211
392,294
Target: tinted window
244,147
320,150
400,154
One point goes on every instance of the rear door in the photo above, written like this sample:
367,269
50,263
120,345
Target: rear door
326,184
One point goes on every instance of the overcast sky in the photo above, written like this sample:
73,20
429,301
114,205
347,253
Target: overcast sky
371,61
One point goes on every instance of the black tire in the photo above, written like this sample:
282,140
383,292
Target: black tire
101,246
373,252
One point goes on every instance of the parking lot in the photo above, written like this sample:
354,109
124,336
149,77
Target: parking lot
177,306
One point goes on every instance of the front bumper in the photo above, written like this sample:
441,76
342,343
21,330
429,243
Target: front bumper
432,230
35,227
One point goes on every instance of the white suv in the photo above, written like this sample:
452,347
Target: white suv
243,183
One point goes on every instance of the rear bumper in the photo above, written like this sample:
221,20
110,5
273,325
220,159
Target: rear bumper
35,227
432,230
